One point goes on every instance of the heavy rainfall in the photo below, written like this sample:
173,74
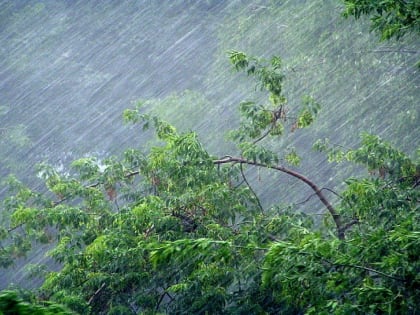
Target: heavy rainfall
69,69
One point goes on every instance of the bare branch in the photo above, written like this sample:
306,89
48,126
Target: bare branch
305,201
332,191
162,296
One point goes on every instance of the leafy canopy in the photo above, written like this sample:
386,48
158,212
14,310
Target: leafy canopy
391,18
176,230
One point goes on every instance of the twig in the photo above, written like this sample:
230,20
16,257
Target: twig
96,293
94,185
15,227
350,224
332,191
250,188
161,299
304,201
367,269
356,267
264,135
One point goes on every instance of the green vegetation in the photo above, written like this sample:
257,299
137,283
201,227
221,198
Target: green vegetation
391,18
333,60
175,229
11,304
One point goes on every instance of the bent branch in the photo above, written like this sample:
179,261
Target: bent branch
318,191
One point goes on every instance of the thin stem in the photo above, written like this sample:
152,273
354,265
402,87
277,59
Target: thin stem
368,269
305,201
96,293
358,267
349,225
332,191
264,135
250,188
318,191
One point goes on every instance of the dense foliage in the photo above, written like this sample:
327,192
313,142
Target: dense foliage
176,230
391,18
173,229
12,304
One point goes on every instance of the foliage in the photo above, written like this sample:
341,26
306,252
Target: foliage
334,60
176,230
12,304
392,18
177,107
268,120
375,270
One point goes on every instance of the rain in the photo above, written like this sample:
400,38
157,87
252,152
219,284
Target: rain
68,69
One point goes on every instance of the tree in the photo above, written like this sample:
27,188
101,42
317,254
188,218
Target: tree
177,230
375,270
391,18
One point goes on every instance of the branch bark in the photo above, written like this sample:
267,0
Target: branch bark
318,191
96,293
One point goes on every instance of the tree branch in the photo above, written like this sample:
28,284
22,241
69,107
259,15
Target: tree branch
15,227
318,191
367,269
162,296
250,188
304,201
349,225
357,267
96,293
265,134
332,191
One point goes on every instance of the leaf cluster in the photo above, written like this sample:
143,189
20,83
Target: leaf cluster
11,303
391,18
